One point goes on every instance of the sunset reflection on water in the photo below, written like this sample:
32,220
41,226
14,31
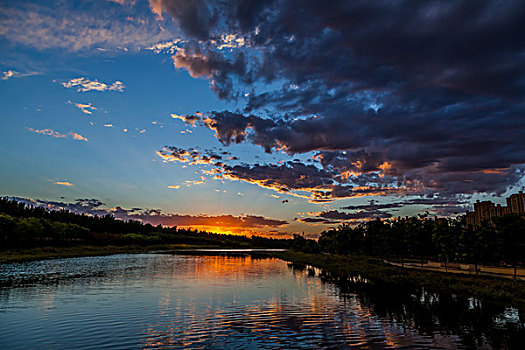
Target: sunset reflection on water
197,301
239,302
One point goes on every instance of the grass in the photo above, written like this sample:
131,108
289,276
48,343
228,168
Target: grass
491,289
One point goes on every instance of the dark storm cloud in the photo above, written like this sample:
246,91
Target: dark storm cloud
91,203
331,217
316,221
375,205
426,95
438,206
193,16
371,214
209,64
469,45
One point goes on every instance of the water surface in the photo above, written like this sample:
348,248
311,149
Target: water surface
154,301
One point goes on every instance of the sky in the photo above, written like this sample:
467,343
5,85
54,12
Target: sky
262,117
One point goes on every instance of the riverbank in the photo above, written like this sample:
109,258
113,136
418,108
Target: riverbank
484,288
32,254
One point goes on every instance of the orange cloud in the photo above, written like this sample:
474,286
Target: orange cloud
156,7
64,183
47,132
499,171
77,137
85,108
56,134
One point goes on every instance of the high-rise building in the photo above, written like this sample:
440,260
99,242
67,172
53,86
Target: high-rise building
516,203
487,210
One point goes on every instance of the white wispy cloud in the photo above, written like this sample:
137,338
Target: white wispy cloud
14,74
45,26
56,134
84,84
229,41
169,47
123,2
85,108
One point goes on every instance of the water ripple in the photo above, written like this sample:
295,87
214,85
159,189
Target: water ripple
158,301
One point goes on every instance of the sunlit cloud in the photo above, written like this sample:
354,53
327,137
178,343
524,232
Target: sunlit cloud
229,41
56,134
48,132
195,63
307,181
193,182
64,183
84,84
190,156
85,108
188,119
169,47
156,7
7,75
14,74
157,123
77,136
174,186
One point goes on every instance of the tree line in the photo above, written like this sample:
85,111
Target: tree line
449,240
26,226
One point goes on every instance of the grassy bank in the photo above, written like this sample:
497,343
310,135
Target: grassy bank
485,288
32,254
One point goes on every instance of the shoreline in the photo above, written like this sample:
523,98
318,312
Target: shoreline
44,253
485,288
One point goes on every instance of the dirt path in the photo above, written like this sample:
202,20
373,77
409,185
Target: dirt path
493,271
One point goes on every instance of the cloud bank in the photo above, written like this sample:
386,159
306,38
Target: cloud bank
423,97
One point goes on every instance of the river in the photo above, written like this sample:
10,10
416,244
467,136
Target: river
164,301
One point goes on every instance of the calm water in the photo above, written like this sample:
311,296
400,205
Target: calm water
154,301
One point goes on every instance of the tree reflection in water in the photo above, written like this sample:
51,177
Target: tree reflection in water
431,313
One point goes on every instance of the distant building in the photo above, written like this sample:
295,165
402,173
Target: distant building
487,210
516,203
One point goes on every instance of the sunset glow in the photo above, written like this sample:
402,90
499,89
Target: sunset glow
179,115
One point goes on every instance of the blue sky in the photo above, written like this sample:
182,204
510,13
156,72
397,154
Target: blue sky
317,132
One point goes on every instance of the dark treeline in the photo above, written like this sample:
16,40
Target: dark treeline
420,238
26,226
